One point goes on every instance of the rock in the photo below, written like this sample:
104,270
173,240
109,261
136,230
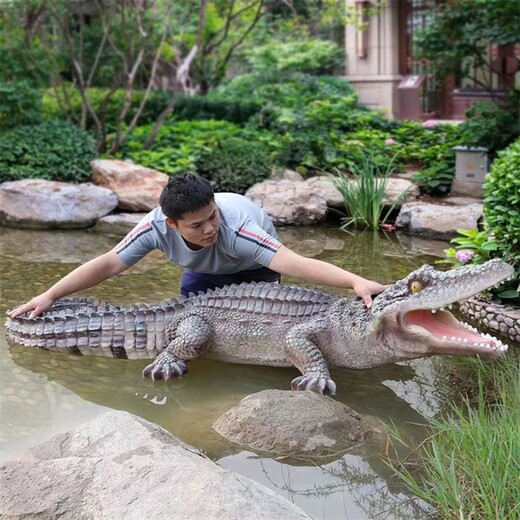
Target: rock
137,188
287,175
400,189
324,188
37,203
289,202
437,221
118,223
299,424
121,466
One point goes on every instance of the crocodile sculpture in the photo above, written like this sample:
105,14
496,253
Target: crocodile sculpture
276,325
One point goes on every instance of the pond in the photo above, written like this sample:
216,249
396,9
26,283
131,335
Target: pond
46,393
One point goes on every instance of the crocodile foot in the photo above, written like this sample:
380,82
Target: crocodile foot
166,366
318,384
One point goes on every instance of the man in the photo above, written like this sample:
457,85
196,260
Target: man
219,239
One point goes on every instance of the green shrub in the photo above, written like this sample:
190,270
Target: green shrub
493,125
309,56
20,104
502,202
501,236
53,150
235,165
284,90
180,144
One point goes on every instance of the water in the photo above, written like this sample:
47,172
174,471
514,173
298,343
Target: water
44,393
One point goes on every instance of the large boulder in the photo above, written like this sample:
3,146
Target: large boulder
289,202
121,466
299,424
137,188
437,221
37,203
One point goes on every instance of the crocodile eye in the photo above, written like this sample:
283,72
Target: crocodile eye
416,286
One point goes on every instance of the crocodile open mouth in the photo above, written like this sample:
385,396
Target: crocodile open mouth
450,332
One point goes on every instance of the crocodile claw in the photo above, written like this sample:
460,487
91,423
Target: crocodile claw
318,384
166,366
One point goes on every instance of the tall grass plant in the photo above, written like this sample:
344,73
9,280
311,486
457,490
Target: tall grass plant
364,192
470,467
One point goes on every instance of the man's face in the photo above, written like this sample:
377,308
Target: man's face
199,228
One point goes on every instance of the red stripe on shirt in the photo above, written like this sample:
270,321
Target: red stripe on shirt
258,237
134,232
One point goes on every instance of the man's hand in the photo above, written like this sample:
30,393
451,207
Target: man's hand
365,288
37,305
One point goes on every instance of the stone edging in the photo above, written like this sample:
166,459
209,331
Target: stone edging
496,318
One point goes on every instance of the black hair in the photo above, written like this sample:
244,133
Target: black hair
185,193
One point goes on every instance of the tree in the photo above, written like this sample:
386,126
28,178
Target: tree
457,39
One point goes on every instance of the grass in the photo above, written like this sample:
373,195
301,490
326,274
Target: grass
469,468
364,192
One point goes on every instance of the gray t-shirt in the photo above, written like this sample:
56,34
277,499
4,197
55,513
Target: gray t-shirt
247,239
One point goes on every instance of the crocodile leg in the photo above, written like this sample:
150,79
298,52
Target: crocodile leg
307,358
189,337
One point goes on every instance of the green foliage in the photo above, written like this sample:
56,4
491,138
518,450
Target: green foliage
20,104
493,125
53,150
481,245
291,90
476,247
179,144
235,165
502,202
470,465
457,38
309,56
364,193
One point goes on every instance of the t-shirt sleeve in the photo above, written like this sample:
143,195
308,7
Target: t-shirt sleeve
137,244
253,242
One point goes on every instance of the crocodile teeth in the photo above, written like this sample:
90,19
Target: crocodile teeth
433,311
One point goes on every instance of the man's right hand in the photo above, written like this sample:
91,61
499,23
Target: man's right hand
37,305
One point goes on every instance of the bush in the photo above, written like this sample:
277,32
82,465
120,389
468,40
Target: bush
310,56
502,202
20,104
53,150
235,165
493,125
180,144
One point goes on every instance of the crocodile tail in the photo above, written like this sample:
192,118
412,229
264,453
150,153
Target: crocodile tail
91,327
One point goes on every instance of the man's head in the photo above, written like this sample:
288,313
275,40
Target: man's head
188,202
185,193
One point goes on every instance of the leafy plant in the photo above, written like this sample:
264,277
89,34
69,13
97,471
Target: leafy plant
364,193
494,125
53,150
235,165
20,104
310,56
476,247
456,40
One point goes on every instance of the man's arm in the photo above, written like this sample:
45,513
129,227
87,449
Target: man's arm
87,275
290,263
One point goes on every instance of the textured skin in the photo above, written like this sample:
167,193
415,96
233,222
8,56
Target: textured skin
276,325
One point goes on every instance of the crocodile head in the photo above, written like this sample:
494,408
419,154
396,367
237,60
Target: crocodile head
412,314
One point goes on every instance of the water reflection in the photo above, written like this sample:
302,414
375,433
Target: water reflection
44,393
